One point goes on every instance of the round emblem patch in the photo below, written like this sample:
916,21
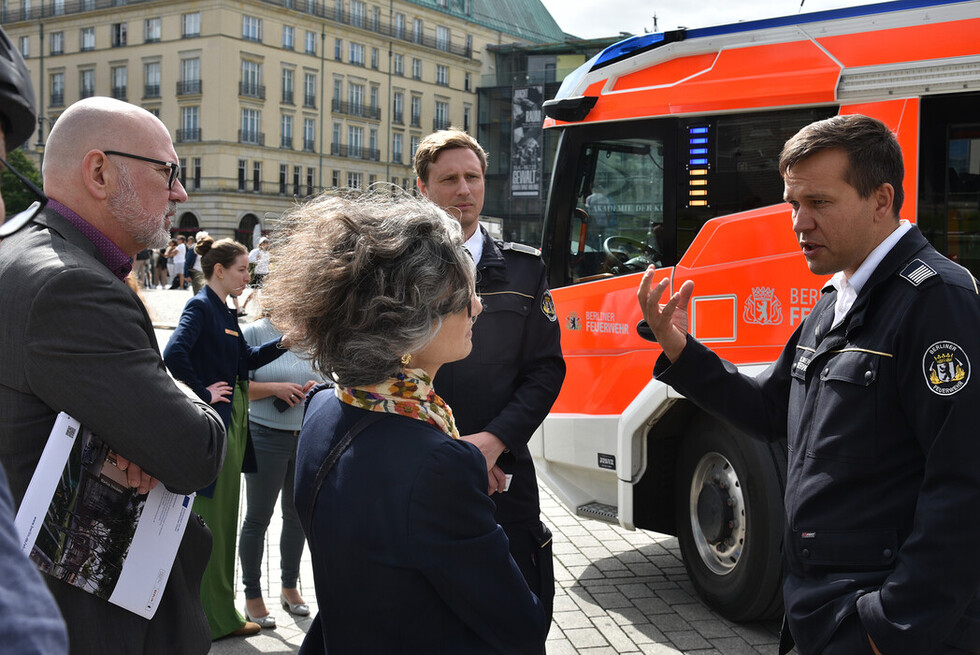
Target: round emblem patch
548,307
946,367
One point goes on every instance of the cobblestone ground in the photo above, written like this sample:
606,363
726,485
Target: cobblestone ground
617,591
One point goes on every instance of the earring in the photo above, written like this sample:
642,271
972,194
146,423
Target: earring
406,359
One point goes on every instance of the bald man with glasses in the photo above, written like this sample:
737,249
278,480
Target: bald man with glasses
77,339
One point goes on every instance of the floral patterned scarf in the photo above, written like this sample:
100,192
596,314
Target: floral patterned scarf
409,393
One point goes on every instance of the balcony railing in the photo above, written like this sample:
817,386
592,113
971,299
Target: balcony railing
188,134
308,145
250,90
356,109
396,118
287,97
119,92
151,90
247,136
286,142
355,152
309,101
440,124
189,87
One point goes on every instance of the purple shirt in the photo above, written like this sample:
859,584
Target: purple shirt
115,259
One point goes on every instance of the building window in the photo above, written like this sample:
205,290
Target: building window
151,79
355,180
416,113
335,178
25,46
57,89
357,54
335,145
119,82
375,19
296,171
416,68
400,26
374,101
469,45
415,146
288,36
86,83
190,77
467,117
309,181
251,84
357,13
309,134
396,148
286,125
251,120
355,141
442,75
57,43
374,58
338,90
242,171
88,38
339,10
190,25
310,43
442,37
373,144
190,125
287,86
467,82
309,90
256,176
397,107
417,30
355,98
58,7
338,49
152,30
441,119
283,172
251,28
399,65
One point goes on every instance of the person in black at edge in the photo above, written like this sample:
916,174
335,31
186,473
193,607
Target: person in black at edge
875,394
31,623
504,389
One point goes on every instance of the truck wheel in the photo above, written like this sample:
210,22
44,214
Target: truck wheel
730,519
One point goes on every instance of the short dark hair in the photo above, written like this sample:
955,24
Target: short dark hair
436,143
873,154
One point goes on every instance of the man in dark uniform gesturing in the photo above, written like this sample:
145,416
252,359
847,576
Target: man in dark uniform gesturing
503,390
877,398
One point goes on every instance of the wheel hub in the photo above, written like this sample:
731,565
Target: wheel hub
715,513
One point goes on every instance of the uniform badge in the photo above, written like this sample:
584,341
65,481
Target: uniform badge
548,307
946,367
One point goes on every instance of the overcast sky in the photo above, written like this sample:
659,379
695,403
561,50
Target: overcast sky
583,19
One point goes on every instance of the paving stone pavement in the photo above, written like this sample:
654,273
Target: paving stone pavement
617,591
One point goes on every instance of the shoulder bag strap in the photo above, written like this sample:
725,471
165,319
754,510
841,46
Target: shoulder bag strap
331,459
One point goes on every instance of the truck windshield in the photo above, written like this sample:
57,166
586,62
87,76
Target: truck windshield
619,214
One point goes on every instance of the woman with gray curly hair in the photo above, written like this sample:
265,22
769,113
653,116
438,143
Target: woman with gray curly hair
407,557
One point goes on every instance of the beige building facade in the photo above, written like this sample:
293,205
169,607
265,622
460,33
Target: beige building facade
269,101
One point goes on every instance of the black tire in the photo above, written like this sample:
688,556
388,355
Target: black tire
730,519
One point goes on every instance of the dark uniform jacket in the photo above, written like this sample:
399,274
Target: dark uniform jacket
510,380
883,486
77,339
407,557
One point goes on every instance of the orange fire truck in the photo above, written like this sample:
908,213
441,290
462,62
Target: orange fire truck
668,155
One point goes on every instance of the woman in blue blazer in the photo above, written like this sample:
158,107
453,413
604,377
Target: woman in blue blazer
407,557
208,353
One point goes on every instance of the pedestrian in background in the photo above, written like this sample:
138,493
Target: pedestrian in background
276,394
209,354
196,272
259,258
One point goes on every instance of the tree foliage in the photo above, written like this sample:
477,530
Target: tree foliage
16,196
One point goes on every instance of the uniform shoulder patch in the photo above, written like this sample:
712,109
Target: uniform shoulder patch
548,306
946,368
520,247
917,271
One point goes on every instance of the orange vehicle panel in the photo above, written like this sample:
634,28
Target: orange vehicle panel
669,72
917,42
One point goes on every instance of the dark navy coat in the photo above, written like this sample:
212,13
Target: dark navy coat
407,557
883,487
512,377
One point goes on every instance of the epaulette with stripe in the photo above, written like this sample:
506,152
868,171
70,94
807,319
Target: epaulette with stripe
917,271
520,247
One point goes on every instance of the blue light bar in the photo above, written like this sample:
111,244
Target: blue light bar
697,130
700,141
698,151
627,47
698,162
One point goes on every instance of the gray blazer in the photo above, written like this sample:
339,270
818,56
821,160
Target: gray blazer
77,339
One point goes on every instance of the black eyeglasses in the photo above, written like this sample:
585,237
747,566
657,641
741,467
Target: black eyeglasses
174,168
21,219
